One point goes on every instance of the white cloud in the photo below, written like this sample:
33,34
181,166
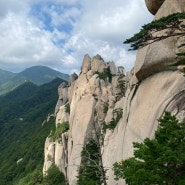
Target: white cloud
112,21
103,27
94,27
12,6
22,42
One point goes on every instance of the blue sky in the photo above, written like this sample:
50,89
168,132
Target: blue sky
58,33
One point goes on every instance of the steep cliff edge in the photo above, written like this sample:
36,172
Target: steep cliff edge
101,89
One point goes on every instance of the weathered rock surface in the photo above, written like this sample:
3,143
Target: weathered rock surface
158,56
150,88
86,65
144,102
170,7
153,96
55,152
72,78
63,96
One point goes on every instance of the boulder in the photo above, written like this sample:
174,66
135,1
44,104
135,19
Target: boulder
154,5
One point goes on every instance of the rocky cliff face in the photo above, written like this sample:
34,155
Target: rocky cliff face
149,89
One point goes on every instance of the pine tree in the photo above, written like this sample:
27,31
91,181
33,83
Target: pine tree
157,161
89,173
171,25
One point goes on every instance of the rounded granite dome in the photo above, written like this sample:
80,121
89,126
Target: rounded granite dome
154,5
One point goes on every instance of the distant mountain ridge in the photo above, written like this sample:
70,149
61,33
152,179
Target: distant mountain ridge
38,75
5,76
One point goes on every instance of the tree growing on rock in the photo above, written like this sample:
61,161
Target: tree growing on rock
171,25
157,161
91,171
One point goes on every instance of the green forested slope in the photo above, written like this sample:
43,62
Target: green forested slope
22,135
5,76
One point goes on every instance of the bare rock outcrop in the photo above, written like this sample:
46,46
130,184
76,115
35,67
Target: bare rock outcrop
140,114
72,78
157,56
170,7
93,101
63,96
141,97
87,95
55,152
86,64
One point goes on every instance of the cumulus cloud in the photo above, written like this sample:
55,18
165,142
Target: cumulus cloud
58,33
23,43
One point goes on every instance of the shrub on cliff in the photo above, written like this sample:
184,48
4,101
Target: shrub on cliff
67,108
117,115
54,177
61,128
106,74
157,161
91,171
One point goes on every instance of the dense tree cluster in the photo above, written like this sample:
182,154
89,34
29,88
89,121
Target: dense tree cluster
157,161
22,133
54,177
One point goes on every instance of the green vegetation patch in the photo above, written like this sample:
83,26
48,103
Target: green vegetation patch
157,161
67,108
105,108
61,128
106,74
89,170
117,115
180,60
54,177
121,86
